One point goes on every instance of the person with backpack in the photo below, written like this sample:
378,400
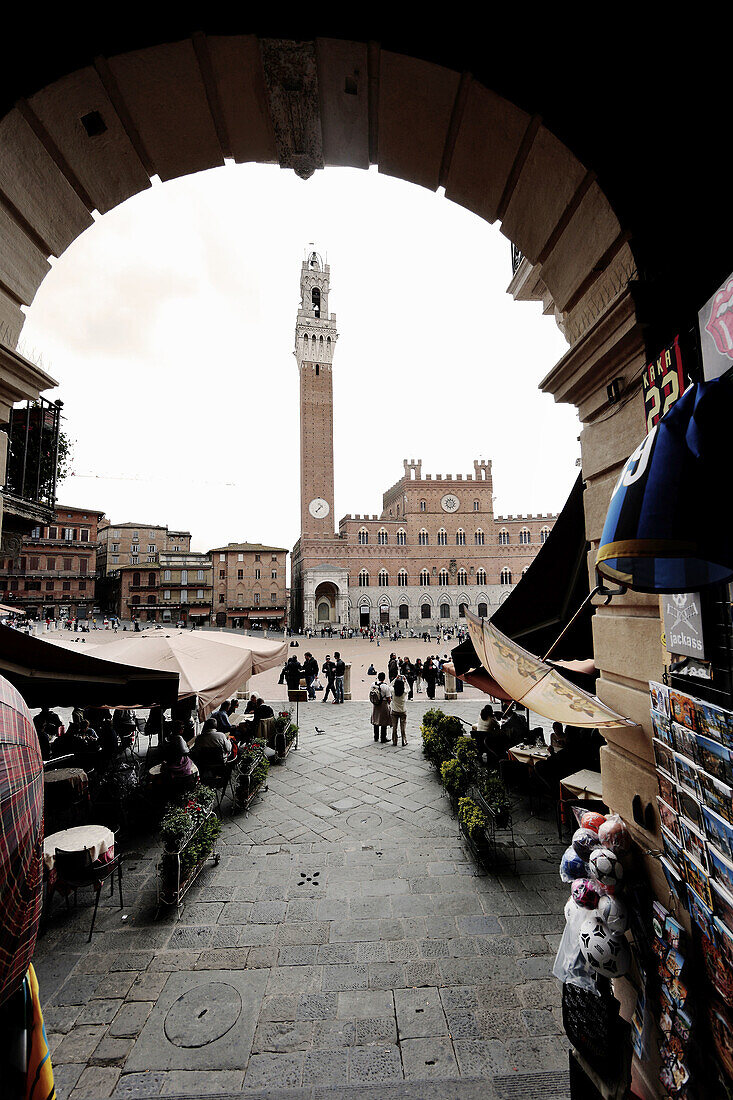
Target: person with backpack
379,697
399,708
338,678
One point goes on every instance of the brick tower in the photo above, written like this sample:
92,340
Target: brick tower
315,343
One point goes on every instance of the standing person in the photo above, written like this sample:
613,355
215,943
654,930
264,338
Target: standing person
392,667
380,697
329,670
339,674
418,675
430,675
399,708
409,673
310,671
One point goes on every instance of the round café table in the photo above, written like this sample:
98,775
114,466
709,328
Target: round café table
75,778
97,838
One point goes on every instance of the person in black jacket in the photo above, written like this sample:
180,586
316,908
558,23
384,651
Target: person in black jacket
310,671
329,669
339,672
291,673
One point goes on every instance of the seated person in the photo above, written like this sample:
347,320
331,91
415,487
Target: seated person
516,729
263,710
251,705
177,763
212,743
84,742
48,720
110,742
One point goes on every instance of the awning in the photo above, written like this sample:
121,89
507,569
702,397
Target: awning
5,610
64,677
553,588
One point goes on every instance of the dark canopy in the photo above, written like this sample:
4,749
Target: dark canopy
552,590
47,673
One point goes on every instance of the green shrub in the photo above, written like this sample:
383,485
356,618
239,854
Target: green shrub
454,777
471,818
467,756
494,792
432,717
259,775
200,845
290,735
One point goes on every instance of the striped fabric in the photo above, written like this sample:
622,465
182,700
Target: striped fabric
21,839
668,526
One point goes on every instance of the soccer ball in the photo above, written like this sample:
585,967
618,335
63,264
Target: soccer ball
572,866
613,913
605,951
584,841
591,820
605,866
613,834
583,891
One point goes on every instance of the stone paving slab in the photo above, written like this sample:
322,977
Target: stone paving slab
371,961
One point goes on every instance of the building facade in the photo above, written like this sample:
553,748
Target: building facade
249,588
175,589
436,548
122,544
53,576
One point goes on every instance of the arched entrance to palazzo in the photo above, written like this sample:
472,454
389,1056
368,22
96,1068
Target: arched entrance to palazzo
326,599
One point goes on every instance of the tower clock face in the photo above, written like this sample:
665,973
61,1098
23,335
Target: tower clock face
319,508
450,503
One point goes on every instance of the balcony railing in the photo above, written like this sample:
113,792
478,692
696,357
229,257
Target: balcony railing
33,444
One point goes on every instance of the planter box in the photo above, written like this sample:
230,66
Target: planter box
171,887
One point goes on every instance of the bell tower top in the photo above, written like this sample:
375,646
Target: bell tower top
315,328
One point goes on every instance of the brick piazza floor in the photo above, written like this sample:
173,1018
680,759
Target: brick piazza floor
343,946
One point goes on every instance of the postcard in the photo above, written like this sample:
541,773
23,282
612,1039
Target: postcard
722,1031
722,868
675,881
724,940
669,819
683,1025
662,729
710,721
674,963
717,967
674,1076
674,933
686,773
698,878
690,807
694,842
685,741
664,757
716,794
719,831
659,918
659,696
682,709
672,849
714,758
701,913
668,791
722,903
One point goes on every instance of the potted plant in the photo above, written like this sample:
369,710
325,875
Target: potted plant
189,829
252,769
497,799
473,822
454,779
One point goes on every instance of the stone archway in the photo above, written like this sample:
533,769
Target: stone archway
326,603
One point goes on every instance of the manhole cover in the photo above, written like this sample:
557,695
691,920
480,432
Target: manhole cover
363,820
203,1014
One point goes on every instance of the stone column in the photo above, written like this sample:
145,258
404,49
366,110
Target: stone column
450,686
347,682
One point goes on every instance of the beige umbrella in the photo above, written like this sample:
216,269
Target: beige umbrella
536,684
210,665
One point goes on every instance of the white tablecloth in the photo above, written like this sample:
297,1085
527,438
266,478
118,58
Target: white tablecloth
97,838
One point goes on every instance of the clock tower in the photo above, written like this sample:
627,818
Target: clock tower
315,343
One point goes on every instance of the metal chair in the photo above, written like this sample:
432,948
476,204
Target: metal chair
215,772
73,870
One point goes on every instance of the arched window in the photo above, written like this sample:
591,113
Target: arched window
382,537
383,578
445,611
135,580
424,578
506,576
423,537
525,536
364,579
544,534
151,580
462,610
480,576
404,612
363,537
316,300
443,577
460,537
478,537
442,537
425,611
476,506
402,578
462,577
401,537
503,537
423,505
483,610
135,600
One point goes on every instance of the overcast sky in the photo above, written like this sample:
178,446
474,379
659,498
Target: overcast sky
169,325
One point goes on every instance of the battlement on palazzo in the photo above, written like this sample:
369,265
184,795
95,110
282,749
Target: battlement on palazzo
413,475
519,516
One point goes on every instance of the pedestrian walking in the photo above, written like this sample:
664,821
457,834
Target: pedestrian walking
379,697
399,708
329,668
338,679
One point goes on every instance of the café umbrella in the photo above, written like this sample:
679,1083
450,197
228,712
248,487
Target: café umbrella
210,665
21,822
526,679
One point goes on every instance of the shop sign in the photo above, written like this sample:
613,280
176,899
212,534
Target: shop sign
716,331
683,624
662,383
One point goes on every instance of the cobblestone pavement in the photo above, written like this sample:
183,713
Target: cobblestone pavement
343,946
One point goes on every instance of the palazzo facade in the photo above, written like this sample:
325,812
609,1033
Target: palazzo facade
435,549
